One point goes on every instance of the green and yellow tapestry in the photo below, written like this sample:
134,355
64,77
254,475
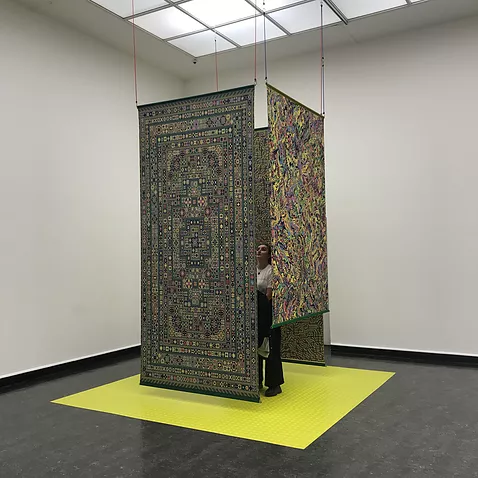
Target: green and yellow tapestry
303,340
262,186
298,214
199,318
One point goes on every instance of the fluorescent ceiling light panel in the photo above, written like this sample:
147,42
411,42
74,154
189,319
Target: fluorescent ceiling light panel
123,8
168,23
217,12
304,17
354,8
243,32
273,4
201,44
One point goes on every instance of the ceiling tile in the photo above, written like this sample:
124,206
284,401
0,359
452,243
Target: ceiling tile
202,43
243,32
217,12
304,17
353,8
168,23
124,7
273,4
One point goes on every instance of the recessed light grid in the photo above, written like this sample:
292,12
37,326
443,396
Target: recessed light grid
201,27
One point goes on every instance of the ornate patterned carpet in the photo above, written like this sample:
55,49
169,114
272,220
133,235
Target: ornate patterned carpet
262,186
302,341
199,330
299,222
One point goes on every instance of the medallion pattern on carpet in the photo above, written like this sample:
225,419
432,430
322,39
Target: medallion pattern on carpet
199,330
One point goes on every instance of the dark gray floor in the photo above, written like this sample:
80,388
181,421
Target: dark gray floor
423,422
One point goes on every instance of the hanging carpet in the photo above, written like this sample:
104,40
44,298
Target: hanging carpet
199,318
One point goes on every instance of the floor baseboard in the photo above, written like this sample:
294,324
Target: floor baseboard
405,356
57,371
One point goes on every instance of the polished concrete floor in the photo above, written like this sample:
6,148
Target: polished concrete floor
423,422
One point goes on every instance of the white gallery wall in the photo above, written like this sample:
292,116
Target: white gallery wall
69,192
402,183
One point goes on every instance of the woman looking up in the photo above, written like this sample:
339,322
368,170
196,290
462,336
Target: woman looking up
274,374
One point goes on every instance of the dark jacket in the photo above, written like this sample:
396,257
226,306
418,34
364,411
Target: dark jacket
264,315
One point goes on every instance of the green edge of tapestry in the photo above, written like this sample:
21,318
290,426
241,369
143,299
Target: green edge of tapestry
203,95
303,317
257,399
294,100
305,362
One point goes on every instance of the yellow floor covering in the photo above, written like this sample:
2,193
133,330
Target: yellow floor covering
313,400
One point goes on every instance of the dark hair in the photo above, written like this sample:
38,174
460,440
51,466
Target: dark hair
269,249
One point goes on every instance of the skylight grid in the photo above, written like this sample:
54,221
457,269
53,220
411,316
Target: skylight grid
199,27
123,8
353,8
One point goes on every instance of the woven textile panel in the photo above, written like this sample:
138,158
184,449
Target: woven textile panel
262,186
303,340
298,215
199,318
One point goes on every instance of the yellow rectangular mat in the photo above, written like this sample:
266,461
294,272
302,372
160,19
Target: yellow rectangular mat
313,400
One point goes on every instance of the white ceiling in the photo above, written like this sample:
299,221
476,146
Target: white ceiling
88,17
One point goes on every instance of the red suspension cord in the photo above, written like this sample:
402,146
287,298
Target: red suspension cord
265,40
134,54
322,59
217,72
255,45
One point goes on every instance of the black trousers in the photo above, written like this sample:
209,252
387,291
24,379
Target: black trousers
274,372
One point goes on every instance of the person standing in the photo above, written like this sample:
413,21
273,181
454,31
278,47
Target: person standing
274,376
